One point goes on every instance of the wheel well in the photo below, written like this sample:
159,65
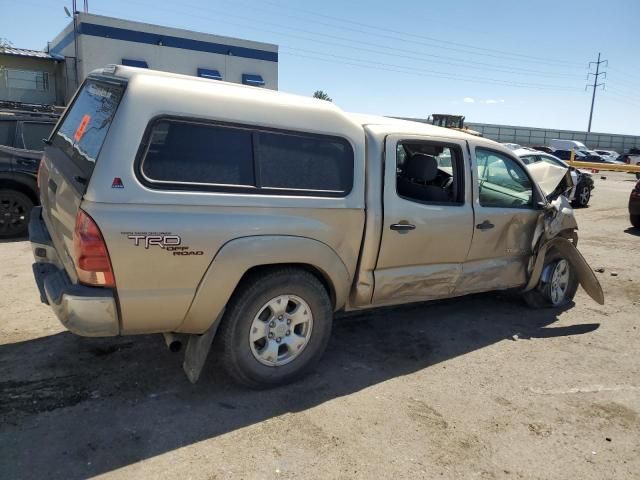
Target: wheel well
316,272
8,184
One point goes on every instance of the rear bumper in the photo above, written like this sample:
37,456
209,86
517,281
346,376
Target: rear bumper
86,311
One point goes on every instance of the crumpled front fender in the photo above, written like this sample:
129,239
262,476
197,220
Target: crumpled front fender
585,274
555,219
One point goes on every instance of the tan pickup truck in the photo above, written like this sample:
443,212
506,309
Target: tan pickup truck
188,206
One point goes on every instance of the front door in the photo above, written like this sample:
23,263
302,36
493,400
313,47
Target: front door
428,219
505,219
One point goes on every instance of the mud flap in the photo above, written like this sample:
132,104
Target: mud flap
585,275
197,351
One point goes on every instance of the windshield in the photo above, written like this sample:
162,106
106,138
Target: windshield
87,122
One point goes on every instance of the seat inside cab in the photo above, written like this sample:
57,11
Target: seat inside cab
426,172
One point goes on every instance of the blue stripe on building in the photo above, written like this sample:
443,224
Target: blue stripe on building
62,44
164,40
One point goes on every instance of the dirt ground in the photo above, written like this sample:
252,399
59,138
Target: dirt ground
478,387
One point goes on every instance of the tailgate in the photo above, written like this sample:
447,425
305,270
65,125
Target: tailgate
69,159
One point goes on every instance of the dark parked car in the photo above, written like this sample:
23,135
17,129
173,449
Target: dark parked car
21,145
566,155
634,206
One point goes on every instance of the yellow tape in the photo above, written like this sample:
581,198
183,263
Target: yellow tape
611,167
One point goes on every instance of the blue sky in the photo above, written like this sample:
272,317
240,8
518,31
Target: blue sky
511,62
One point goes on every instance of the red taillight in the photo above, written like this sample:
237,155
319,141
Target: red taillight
90,254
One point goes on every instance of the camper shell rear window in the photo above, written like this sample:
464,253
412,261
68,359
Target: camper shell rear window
84,128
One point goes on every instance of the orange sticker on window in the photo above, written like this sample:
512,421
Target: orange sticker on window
82,127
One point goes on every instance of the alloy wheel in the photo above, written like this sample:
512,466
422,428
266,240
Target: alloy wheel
281,330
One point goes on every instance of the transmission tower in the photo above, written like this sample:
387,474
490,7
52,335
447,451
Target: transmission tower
596,77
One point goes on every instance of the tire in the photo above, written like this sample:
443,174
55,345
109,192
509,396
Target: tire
256,319
635,220
544,295
15,211
582,196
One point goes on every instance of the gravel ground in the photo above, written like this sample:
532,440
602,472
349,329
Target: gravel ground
478,387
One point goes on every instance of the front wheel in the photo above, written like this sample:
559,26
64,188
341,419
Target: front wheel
557,286
635,220
582,197
276,328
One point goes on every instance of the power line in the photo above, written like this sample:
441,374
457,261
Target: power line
395,52
378,28
389,67
421,72
622,93
595,86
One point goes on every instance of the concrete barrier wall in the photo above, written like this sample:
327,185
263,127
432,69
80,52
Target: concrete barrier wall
527,136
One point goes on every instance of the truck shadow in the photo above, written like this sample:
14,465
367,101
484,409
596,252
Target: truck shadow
75,407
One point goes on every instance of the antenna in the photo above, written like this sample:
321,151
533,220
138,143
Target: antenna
66,10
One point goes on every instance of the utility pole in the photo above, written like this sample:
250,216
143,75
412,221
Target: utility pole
595,85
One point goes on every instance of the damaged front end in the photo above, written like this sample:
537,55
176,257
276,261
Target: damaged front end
556,229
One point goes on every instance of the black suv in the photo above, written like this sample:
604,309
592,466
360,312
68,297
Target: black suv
22,130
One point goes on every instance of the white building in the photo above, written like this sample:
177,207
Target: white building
93,41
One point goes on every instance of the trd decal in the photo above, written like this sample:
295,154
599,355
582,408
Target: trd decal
117,183
164,240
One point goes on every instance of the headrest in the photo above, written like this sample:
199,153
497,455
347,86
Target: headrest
421,167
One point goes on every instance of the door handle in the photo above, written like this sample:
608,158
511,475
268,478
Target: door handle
402,227
486,225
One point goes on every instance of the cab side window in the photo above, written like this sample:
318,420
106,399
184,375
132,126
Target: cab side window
502,182
429,172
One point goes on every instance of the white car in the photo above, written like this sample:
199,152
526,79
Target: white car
580,194
561,144
512,146
609,155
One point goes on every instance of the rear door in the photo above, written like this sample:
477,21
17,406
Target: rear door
425,236
73,150
505,210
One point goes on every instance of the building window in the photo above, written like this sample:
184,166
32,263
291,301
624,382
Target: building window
134,63
253,80
26,79
210,74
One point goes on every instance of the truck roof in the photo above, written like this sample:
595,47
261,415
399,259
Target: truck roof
202,97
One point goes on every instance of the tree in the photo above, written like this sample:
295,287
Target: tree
319,94
5,43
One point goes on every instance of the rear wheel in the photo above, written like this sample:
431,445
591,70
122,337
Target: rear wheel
557,286
15,210
635,220
276,328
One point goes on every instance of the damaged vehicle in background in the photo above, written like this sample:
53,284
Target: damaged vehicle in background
580,195
224,214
